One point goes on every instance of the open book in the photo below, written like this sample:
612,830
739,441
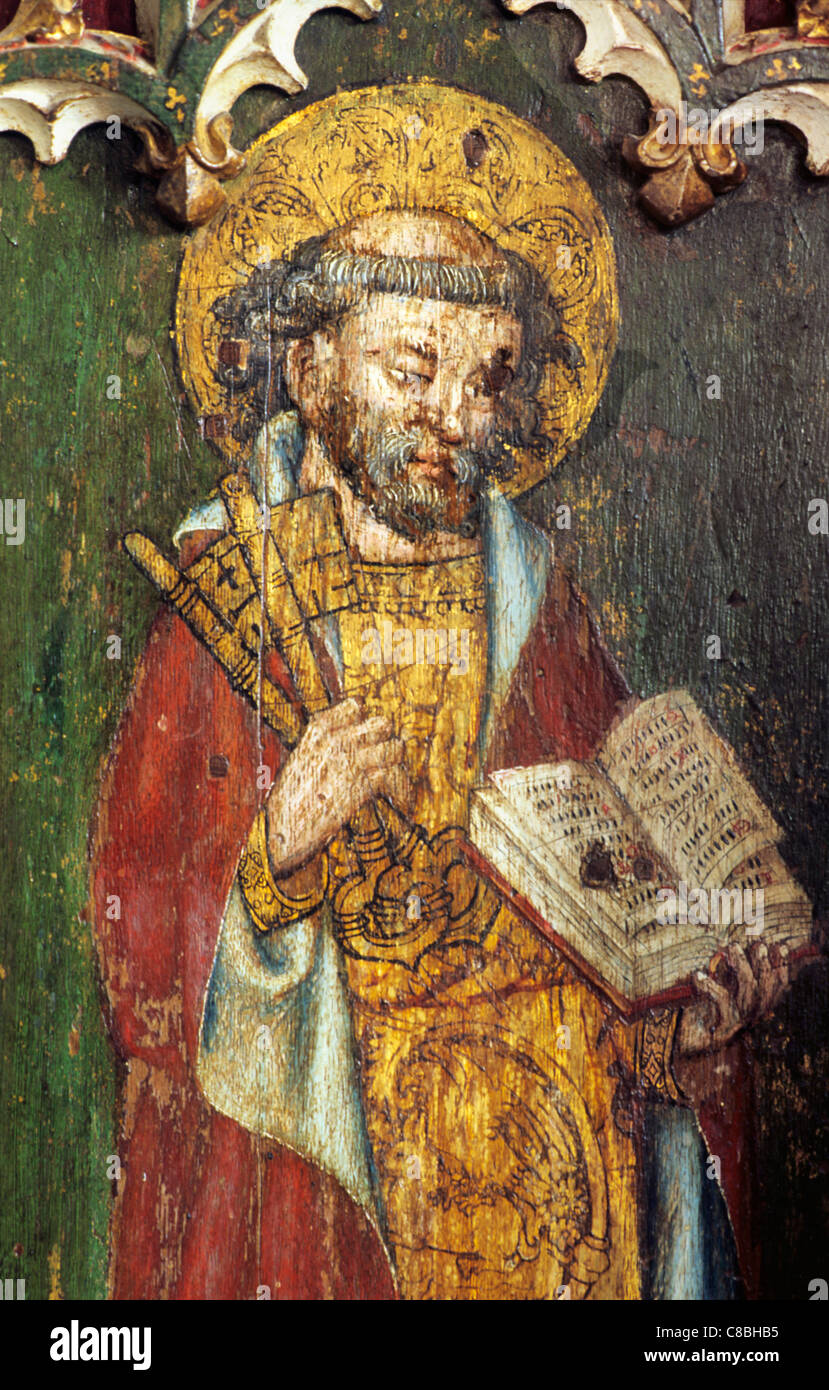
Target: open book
645,862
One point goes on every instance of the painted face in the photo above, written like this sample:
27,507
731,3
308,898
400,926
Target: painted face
414,407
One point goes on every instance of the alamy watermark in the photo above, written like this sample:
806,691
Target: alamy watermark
13,520
77,1343
424,646
696,126
711,907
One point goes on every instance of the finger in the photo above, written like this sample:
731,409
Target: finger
782,967
374,782
387,754
777,955
765,995
377,729
746,980
337,716
393,783
727,1016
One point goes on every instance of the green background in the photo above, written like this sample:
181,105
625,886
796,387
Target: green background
689,520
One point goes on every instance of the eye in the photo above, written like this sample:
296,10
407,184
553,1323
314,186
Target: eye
484,388
415,381
478,389
495,377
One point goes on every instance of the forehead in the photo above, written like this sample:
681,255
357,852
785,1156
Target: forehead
391,321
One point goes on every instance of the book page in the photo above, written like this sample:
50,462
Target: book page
682,779
572,819
498,833
774,908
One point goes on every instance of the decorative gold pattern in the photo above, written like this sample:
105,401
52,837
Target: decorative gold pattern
174,52
397,647
45,19
403,148
682,178
483,1100
653,1048
427,664
813,19
190,190
493,1181
275,904
218,631
301,567
489,1085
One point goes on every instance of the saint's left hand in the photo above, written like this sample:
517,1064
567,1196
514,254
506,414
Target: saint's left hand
754,983
759,976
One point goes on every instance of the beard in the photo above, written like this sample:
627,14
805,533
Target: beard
378,462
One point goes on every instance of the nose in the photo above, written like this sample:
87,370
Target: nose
445,412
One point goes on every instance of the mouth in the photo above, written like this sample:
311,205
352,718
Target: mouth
436,470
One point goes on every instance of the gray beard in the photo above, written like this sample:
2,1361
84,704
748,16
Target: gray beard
420,504
376,461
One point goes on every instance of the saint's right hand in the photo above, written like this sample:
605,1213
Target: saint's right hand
341,761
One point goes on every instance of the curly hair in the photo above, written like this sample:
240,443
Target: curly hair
319,284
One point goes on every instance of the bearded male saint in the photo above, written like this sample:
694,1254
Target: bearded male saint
352,1070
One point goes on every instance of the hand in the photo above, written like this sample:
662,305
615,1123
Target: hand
759,977
341,761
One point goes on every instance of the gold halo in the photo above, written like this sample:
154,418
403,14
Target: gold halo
409,147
